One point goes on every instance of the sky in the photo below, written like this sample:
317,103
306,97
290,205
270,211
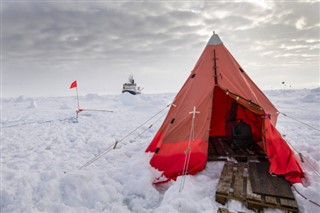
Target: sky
46,45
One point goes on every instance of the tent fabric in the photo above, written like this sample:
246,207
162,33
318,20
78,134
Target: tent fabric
216,80
281,157
232,77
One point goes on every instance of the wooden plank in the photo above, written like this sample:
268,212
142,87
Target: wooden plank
215,151
219,148
263,183
271,200
250,195
282,188
245,177
253,177
211,149
221,199
223,210
240,152
216,158
211,158
238,180
226,148
250,152
257,149
224,185
289,203
225,181
235,184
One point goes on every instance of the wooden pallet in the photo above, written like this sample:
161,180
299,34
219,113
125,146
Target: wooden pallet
223,210
234,184
220,150
263,183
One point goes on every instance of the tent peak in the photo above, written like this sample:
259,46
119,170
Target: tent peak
214,40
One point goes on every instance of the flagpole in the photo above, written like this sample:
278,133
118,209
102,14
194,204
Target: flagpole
78,97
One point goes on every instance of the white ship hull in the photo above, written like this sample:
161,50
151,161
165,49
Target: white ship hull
131,87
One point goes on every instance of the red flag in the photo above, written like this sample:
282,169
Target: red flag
73,85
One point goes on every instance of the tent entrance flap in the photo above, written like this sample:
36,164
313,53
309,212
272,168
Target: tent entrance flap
226,110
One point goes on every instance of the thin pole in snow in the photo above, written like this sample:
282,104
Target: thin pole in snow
75,85
284,87
188,150
78,98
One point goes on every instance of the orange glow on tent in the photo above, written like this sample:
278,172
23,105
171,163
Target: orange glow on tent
217,81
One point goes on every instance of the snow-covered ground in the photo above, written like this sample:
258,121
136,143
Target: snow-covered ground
43,146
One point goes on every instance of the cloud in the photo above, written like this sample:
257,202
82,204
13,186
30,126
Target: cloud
58,41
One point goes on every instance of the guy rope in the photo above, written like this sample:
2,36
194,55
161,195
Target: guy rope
114,145
188,150
299,121
303,160
92,110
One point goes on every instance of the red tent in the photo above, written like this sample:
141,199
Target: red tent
217,81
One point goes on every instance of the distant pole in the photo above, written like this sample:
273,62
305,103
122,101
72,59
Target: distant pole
284,87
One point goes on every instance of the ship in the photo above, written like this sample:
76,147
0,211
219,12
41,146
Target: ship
131,87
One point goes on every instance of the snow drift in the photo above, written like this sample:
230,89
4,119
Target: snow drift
43,146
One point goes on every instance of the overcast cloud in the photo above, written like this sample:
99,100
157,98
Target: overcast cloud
47,44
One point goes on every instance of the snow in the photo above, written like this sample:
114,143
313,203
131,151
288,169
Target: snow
43,146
